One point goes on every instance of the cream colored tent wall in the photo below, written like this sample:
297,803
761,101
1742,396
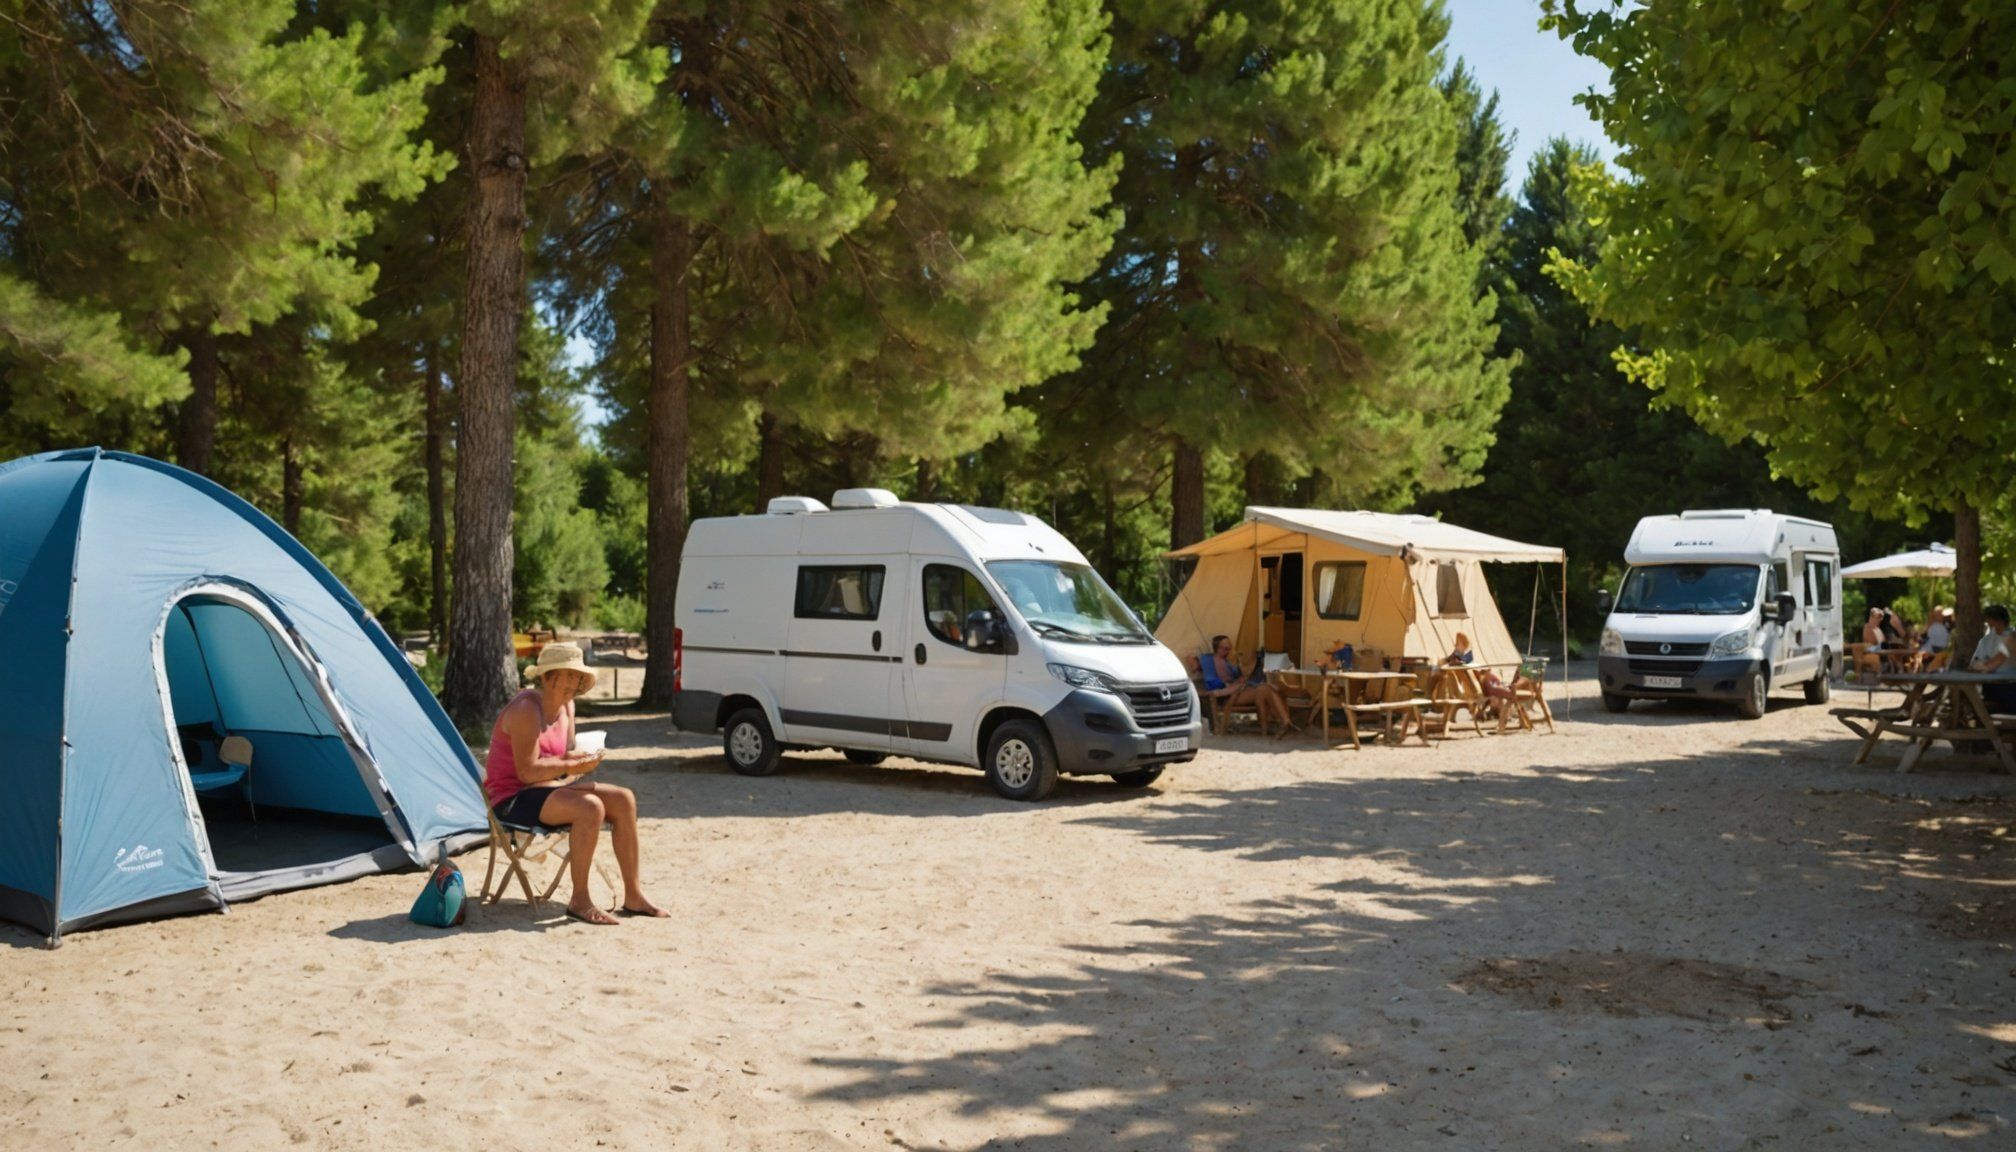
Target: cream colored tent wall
1219,598
1435,636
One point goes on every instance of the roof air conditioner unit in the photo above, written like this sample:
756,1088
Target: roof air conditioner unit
792,505
865,498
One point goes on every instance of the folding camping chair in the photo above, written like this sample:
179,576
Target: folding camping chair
524,844
234,763
1529,693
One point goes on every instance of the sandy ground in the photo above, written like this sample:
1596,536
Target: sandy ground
1665,930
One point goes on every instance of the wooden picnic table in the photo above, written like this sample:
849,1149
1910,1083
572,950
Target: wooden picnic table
1350,693
1454,686
1940,706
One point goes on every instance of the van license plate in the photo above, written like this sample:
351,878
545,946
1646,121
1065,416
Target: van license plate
1173,744
1662,681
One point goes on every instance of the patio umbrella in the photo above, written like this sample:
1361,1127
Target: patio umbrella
1935,560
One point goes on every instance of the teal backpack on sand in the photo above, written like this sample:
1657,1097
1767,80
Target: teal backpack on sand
440,903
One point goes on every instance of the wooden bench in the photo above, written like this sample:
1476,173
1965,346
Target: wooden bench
1851,718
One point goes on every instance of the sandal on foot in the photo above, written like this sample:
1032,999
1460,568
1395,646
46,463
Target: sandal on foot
586,919
653,914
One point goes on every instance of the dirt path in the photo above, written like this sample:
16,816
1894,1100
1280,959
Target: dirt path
1665,930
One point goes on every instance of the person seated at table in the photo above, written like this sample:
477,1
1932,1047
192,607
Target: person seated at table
1992,654
1933,647
1224,679
1869,661
1459,653
1898,632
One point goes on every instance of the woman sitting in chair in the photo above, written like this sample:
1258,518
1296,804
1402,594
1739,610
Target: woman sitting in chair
534,775
1224,679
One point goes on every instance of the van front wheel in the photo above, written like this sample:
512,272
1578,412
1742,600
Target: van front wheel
1752,704
752,749
1021,762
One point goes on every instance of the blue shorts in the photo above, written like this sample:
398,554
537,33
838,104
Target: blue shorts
522,807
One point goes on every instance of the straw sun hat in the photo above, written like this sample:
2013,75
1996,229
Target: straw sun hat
556,657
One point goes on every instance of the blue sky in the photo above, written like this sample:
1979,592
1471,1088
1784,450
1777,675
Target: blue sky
1536,74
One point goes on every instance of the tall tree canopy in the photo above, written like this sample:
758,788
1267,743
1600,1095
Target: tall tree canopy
1292,277
1816,236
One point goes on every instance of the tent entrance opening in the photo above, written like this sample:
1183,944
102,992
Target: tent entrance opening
279,791
1281,605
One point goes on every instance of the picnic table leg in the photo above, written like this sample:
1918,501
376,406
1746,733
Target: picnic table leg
1924,717
1979,707
1882,725
1323,702
1351,720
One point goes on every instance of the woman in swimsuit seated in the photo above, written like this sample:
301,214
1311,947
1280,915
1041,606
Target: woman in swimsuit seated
534,775
1232,684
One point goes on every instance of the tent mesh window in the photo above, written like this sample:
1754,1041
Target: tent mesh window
1340,589
1448,590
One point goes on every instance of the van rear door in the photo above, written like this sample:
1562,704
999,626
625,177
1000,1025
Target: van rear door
842,651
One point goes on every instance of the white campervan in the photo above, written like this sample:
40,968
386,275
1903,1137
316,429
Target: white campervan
1723,605
940,632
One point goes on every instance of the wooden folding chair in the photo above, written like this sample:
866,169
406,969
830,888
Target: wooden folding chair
1531,699
524,844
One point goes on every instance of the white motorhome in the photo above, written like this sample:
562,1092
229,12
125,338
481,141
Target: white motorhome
940,632
1723,605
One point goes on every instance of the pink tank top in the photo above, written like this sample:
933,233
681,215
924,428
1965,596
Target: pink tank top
500,775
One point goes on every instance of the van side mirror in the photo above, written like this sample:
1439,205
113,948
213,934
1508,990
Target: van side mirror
985,633
1788,608
1604,601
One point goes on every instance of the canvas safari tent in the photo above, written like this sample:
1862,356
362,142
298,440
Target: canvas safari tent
1304,580
149,619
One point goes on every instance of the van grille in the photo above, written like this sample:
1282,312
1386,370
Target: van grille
1151,710
1651,648
1665,667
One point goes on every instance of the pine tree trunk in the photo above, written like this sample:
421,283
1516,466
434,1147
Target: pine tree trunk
481,672
927,482
196,430
769,461
1109,532
437,503
1186,495
290,488
1256,480
671,358
1967,624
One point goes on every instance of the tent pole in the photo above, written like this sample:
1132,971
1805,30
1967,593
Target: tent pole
1567,703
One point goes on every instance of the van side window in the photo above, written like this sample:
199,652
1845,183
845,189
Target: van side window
840,593
1820,583
1779,580
950,593
1448,589
1340,589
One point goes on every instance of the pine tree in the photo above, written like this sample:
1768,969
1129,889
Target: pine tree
548,78
1292,277
192,169
857,220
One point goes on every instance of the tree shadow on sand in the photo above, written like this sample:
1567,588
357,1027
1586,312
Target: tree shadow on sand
1350,1015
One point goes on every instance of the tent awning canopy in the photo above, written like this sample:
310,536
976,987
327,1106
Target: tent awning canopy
1380,533
1935,560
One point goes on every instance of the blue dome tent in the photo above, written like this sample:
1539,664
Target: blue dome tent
162,637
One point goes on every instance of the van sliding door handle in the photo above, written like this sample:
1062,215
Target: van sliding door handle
920,653
876,640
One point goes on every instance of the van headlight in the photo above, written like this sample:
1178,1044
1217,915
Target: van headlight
1734,644
1080,677
1612,643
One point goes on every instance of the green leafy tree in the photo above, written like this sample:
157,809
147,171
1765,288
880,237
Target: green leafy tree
1815,237
1292,277
1581,452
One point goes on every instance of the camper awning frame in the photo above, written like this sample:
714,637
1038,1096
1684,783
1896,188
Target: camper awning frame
1379,533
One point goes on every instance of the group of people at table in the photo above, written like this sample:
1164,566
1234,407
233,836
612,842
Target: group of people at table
1224,681
1890,644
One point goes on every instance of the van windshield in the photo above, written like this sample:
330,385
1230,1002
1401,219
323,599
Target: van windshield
1690,590
1067,602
